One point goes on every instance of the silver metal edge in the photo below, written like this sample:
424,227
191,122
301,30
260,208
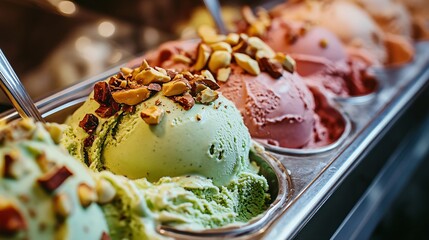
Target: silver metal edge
316,193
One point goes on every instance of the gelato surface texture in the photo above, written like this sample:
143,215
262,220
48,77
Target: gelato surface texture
44,193
209,140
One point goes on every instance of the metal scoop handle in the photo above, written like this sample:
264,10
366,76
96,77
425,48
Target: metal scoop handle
15,91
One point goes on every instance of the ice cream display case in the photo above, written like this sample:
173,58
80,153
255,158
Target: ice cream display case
325,188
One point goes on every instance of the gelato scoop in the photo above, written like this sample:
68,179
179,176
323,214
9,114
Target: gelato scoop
168,124
45,193
276,106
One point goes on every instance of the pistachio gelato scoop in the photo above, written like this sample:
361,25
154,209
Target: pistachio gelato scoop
182,127
45,193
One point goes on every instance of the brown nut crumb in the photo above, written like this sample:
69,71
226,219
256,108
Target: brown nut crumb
105,191
219,59
208,75
203,55
89,141
186,101
105,111
89,123
62,205
154,87
11,165
223,74
131,96
274,69
247,63
51,180
11,219
102,93
207,96
176,87
198,117
86,194
323,43
152,115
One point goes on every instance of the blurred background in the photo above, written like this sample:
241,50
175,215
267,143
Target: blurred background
53,44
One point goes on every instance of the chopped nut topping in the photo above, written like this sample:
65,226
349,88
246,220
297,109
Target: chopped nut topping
150,75
105,111
232,38
198,117
204,52
275,69
287,62
87,195
102,93
10,165
152,115
247,63
44,164
186,101
89,123
131,96
209,35
89,141
105,191
175,87
219,59
11,219
223,74
208,75
54,178
207,96
154,87
62,205
181,59
125,70
323,43
221,46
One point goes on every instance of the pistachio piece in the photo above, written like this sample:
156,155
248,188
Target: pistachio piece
11,219
232,38
62,205
221,46
150,75
207,96
131,96
287,62
180,58
105,191
223,74
86,194
126,70
152,115
204,52
54,178
247,63
219,59
176,87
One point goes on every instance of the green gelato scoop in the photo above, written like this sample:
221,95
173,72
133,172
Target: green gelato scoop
44,192
209,140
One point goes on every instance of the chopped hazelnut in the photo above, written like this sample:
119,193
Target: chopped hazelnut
223,74
247,63
131,96
207,96
11,219
203,55
176,87
219,59
150,75
152,115
105,191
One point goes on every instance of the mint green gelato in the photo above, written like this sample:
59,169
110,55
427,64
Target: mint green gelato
207,140
28,152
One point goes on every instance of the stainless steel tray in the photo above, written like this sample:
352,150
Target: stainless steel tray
316,176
